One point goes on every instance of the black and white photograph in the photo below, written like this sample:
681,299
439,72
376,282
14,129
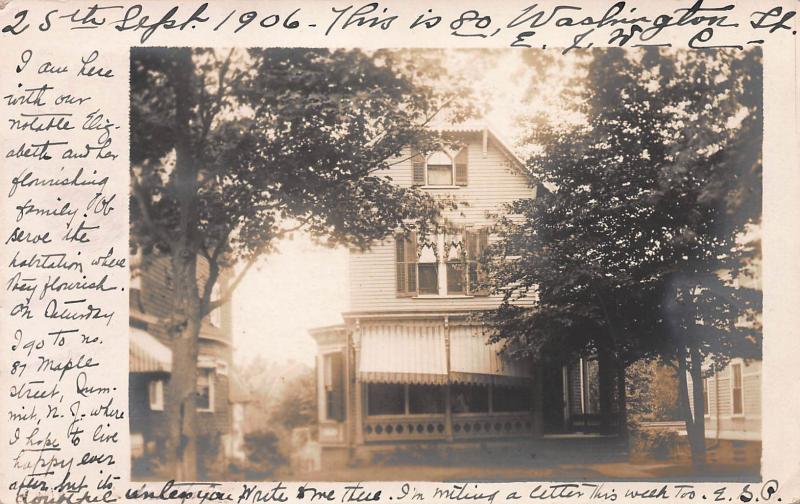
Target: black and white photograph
474,265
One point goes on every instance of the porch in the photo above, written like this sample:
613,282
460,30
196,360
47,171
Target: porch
437,379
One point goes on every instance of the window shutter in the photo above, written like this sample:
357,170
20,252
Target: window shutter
462,162
336,407
411,263
418,163
400,256
406,262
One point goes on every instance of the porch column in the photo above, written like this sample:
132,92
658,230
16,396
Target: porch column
359,403
538,403
448,410
565,396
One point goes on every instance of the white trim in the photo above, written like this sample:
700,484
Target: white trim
155,394
707,401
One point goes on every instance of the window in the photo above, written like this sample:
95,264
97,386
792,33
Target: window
428,270
205,389
440,265
425,399
456,279
476,242
155,393
511,399
737,401
333,372
440,169
469,398
386,399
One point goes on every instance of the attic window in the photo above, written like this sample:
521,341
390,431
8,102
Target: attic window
440,170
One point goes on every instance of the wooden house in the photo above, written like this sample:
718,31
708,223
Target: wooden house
150,396
409,364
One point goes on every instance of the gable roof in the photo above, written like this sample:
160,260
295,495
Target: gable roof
483,128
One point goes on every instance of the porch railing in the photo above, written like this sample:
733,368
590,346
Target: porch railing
433,427
404,427
492,425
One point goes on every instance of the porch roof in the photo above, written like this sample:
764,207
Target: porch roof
147,354
417,354
413,353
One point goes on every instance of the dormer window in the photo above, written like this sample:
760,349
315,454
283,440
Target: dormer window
440,169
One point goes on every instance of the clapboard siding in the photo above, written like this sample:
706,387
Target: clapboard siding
493,182
721,422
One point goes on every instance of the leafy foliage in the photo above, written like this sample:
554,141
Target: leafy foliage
231,151
634,244
639,209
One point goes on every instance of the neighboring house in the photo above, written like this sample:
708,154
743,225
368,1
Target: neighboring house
409,364
732,401
150,397
732,395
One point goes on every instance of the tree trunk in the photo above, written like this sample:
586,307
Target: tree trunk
622,424
696,436
181,414
606,386
698,442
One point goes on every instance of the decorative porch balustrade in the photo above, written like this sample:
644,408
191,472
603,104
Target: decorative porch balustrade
404,427
491,426
433,427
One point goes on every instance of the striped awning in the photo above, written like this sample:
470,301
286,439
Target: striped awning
147,354
400,353
473,361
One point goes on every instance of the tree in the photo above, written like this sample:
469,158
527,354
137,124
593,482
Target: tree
233,151
633,245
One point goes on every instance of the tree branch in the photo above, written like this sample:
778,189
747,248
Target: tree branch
213,305
144,208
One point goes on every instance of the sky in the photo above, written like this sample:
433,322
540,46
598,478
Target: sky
305,286
300,287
